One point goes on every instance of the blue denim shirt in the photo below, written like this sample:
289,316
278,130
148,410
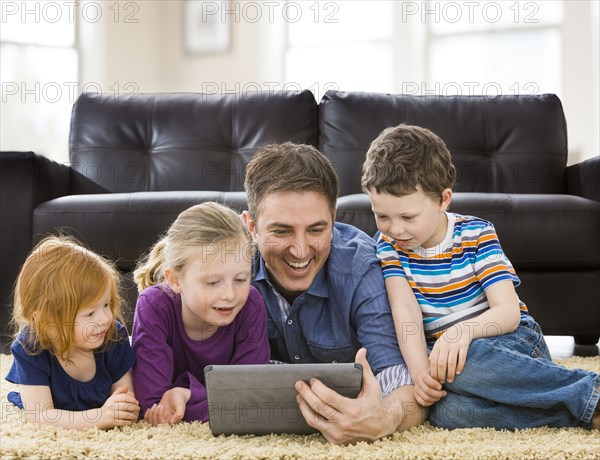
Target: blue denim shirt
344,309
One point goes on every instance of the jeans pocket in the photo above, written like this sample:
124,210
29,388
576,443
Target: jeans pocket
541,350
531,332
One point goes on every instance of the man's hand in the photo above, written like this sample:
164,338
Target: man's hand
428,390
344,420
449,354
170,409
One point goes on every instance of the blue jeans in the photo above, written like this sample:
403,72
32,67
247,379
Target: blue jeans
509,382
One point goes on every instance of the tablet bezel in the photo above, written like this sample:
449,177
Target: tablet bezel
239,395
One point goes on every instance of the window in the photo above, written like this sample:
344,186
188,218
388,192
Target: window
486,47
39,65
341,45
492,48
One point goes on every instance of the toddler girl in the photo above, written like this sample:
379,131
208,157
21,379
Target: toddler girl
196,308
72,360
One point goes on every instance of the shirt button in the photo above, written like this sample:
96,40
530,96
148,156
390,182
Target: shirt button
290,321
297,357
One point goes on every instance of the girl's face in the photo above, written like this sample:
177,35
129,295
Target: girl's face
214,285
92,323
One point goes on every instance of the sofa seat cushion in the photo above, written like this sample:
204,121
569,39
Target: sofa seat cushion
121,226
536,231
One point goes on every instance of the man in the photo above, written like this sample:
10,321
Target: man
325,296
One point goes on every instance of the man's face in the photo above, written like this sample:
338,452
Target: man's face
293,232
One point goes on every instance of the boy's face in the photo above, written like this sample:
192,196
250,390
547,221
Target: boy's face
411,220
293,232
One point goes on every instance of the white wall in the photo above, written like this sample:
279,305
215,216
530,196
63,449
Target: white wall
122,54
580,79
255,54
151,55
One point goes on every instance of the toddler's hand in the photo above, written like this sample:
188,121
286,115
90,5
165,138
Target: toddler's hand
120,409
428,391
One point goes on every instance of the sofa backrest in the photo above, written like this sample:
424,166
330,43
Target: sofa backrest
182,141
504,144
202,142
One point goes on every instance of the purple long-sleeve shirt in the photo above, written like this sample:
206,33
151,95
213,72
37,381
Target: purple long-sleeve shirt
168,358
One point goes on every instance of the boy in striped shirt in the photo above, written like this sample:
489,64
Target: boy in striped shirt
475,354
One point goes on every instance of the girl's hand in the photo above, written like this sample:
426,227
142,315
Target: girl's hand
170,409
449,354
428,390
155,415
120,409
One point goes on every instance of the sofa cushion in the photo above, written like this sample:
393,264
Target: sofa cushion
536,231
121,226
507,144
181,141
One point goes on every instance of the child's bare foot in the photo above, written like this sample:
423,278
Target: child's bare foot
596,418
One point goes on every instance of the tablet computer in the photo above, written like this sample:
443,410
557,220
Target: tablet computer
261,398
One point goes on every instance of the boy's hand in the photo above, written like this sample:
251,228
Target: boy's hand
449,354
120,409
170,409
428,390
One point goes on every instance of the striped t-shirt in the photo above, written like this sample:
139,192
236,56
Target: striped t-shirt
449,280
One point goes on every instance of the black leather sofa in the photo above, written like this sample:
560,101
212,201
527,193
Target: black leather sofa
136,163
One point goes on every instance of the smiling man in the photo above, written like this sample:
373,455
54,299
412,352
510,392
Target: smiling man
325,296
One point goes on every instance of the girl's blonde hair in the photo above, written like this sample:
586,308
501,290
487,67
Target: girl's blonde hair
58,278
207,226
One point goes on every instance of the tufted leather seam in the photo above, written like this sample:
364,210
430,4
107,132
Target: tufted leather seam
234,142
149,125
490,140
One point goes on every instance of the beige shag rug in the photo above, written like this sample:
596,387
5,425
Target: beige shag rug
19,439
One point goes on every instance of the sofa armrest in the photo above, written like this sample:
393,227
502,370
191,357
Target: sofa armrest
26,179
583,179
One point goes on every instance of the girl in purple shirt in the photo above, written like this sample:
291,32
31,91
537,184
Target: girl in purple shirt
196,308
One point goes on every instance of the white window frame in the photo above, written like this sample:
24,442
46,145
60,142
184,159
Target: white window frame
66,91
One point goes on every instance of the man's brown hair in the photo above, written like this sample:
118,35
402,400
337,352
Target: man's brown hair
405,157
289,167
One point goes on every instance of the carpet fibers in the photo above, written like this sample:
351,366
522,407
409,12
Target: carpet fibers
19,440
